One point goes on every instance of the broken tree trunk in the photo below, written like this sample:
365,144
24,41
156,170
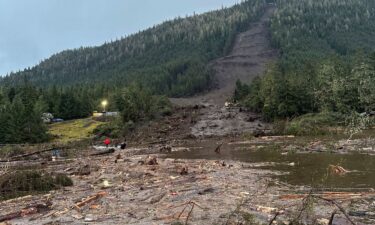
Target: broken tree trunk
330,195
106,152
90,199
18,157
339,170
29,210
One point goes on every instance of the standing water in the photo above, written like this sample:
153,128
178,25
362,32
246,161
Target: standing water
308,169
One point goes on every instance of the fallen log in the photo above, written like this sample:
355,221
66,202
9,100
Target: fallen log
90,199
362,213
10,216
333,202
29,210
105,152
218,148
330,195
17,157
277,137
339,170
174,183
32,163
275,217
332,217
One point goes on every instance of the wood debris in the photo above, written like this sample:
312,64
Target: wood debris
338,170
89,199
29,210
151,161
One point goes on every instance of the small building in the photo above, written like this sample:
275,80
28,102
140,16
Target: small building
105,114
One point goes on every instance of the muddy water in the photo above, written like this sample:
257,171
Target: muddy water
307,169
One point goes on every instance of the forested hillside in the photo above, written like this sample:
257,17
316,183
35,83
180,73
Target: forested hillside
170,58
305,30
326,62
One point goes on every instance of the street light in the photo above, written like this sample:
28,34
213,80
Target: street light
104,104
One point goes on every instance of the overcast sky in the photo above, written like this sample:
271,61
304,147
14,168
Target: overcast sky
32,30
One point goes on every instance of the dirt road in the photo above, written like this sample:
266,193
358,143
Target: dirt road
249,58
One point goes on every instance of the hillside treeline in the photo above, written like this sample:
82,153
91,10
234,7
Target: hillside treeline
326,60
170,58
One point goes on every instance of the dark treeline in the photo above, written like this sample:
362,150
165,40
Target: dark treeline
20,116
22,107
169,59
326,63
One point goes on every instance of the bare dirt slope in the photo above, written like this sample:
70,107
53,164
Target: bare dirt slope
250,54
249,58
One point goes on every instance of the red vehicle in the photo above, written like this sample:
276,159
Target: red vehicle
107,142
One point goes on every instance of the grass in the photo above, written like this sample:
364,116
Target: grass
73,130
312,124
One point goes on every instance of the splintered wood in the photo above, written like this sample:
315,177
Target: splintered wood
29,210
330,195
89,199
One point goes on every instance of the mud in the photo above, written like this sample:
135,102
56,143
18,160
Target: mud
249,58
226,121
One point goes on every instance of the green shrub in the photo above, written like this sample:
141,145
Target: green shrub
11,150
112,129
22,183
313,124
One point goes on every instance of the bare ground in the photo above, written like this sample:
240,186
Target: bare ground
249,58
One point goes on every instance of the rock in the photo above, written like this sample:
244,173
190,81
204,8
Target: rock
251,119
151,161
77,216
258,133
184,170
265,209
213,125
206,191
322,221
90,218
156,198
83,171
165,149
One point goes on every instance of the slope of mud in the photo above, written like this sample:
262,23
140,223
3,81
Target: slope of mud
249,58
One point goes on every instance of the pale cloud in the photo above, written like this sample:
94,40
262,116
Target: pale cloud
33,30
